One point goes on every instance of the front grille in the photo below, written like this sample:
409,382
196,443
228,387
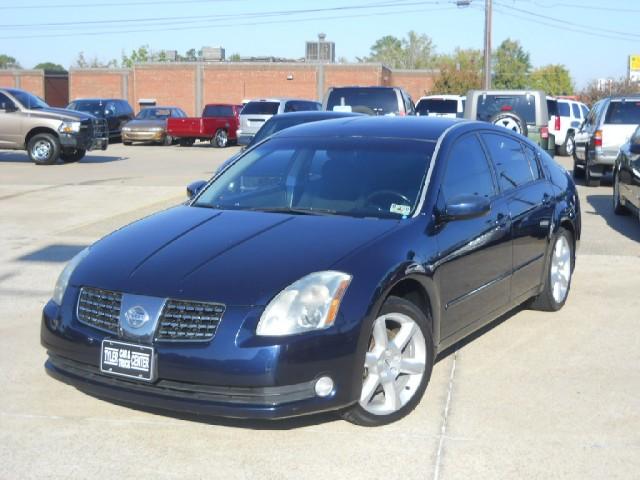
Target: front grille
184,320
100,129
99,308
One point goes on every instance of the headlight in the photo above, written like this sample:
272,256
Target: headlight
126,129
63,279
311,303
69,127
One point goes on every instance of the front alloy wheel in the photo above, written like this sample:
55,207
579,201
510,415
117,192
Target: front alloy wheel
397,365
559,270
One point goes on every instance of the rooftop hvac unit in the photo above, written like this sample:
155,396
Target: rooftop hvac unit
213,54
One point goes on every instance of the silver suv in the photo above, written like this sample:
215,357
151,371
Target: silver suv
28,123
609,124
256,112
369,100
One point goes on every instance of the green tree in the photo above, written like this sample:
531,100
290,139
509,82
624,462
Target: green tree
234,57
459,72
82,62
7,61
50,67
553,79
512,65
140,55
414,51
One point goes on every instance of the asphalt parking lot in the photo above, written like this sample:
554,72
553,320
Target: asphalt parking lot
539,395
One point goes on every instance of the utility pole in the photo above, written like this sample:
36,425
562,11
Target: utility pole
486,84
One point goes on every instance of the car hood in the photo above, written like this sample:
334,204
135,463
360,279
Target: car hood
232,257
146,124
60,114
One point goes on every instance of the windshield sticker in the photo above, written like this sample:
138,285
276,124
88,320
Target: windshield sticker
400,209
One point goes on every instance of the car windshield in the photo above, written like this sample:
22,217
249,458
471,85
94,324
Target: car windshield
522,105
154,114
371,101
28,100
359,177
623,113
93,107
260,108
436,105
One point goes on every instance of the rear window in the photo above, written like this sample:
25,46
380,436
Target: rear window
434,105
301,106
552,107
622,113
563,109
260,108
370,101
218,111
94,107
491,105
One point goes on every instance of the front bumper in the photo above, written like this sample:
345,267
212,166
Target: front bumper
93,135
143,136
227,377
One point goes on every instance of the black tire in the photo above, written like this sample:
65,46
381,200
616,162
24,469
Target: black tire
70,156
545,301
220,139
577,172
125,143
187,142
618,206
356,413
511,121
44,149
589,180
167,140
568,147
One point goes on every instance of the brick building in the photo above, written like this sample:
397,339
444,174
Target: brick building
191,85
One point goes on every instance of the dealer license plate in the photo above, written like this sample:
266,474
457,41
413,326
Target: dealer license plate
127,360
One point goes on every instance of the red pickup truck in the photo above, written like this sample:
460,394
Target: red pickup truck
217,125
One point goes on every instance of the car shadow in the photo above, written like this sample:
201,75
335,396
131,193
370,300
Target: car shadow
627,225
53,254
21,157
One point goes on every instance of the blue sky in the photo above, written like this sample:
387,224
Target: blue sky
552,31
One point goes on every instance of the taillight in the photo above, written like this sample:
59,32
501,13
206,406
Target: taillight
597,138
544,132
557,125
402,114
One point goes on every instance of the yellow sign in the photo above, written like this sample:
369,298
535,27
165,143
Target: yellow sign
634,62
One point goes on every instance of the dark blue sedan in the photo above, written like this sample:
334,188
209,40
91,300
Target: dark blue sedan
323,270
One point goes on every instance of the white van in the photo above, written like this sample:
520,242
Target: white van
449,106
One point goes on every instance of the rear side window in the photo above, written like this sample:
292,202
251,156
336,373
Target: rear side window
622,113
260,108
218,111
371,101
585,110
575,109
300,106
468,171
552,107
434,105
512,166
563,109
491,105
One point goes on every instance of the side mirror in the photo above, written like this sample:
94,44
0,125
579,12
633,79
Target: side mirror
634,148
8,107
465,207
194,188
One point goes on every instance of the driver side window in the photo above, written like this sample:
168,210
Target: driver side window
468,171
6,103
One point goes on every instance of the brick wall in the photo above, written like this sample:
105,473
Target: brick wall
417,82
177,84
30,80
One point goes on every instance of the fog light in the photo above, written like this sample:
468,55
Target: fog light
324,386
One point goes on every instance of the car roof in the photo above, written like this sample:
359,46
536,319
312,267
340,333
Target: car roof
444,97
96,99
310,114
281,99
418,128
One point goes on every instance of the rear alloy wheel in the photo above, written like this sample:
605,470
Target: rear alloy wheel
220,139
569,146
73,155
618,206
44,149
558,277
397,365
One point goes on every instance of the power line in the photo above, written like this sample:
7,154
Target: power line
209,25
112,4
178,19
